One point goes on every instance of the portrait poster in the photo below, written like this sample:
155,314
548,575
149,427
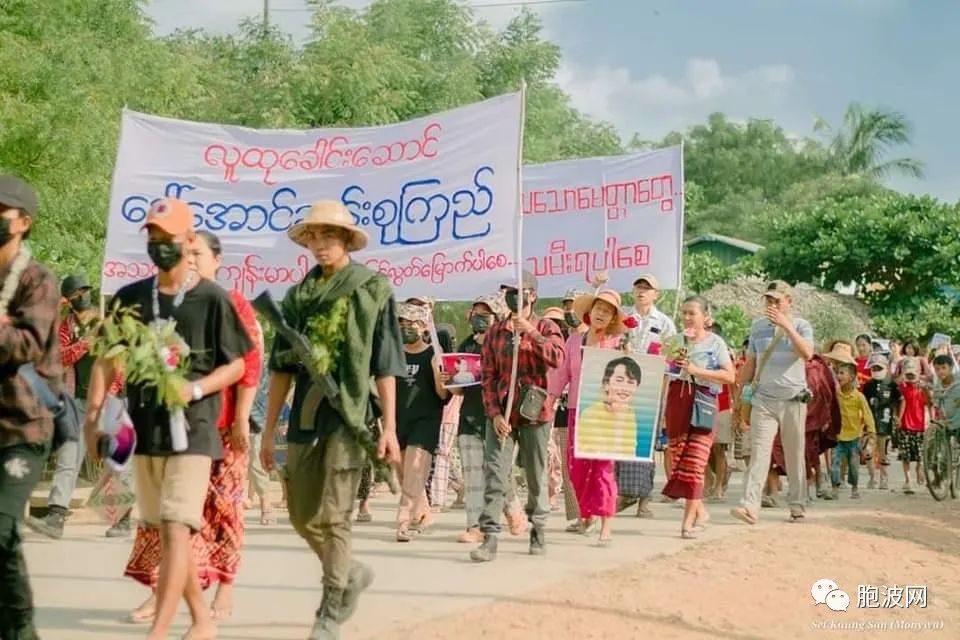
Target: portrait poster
463,368
618,406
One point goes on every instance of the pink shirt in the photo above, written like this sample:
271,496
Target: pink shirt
569,372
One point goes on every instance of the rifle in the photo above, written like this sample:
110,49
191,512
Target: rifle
265,304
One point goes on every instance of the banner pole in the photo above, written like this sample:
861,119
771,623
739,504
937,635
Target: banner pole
519,253
683,208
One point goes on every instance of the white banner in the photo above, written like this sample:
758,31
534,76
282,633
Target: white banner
437,195
620,214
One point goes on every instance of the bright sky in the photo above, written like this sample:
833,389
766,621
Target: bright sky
652,66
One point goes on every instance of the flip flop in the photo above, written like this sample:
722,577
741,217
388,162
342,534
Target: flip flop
743,515
365,517
144,616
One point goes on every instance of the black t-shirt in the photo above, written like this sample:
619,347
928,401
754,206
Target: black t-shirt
208,323
417,398
473,417
884,397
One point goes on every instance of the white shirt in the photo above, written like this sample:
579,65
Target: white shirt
651,328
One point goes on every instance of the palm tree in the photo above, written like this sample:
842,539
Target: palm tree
862,143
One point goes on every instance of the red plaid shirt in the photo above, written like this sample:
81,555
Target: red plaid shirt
540,351
72,349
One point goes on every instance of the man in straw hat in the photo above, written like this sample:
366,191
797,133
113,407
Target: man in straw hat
28,336
324,459
775,374
541,349
171,483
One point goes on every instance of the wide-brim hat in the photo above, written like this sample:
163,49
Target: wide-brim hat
553,313
583,304
329,213
841,353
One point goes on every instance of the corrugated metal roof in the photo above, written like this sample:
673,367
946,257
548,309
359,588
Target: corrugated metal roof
733,242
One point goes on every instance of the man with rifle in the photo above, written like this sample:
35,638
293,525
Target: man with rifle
337,329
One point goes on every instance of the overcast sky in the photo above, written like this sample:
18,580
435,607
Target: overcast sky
654,66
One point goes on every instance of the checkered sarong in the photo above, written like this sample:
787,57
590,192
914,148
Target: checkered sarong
471,458
635,479
442,467
569,497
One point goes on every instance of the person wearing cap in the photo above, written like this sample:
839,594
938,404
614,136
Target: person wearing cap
915,393
28,336
540,349
883,396
324,458
420,400
171,485
593,481
76,340
778,396
568,319
635,479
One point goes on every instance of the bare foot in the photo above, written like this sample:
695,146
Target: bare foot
222,607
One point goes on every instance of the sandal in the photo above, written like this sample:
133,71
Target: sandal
365,517
142,616
796,515
574,528
741,513
267,518
688,534
404,535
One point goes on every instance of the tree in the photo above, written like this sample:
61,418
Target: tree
899,249
861,143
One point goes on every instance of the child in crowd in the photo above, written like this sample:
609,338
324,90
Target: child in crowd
855,419
913,419
883,396
947,394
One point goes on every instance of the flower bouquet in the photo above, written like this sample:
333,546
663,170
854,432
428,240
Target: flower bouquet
151,355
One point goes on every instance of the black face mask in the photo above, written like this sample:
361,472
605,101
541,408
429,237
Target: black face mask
513,299
81,302
571,319
410,335
5,235
165,254
479,324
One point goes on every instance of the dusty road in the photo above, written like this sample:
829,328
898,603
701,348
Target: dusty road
733,582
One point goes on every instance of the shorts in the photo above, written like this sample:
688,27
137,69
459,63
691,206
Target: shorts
172,488
910,445
420,432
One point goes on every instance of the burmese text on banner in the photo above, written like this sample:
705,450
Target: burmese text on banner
437,196
619,214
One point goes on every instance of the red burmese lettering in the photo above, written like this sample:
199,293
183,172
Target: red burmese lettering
219,155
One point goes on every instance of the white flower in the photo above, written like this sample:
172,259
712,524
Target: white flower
16,468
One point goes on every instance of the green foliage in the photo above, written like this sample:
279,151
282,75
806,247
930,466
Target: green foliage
831,323
703,271
734,324
326,333
898,249
151,355
919,320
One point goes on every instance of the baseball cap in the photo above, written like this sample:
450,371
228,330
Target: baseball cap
171,215
778,289
910,366
649,278
878,360
72,284
412,312
529,281
17,194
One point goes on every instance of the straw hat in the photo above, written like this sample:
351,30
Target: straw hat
553,313
583,304
841,353
332,214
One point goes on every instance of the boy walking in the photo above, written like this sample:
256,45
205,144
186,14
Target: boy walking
884,398
946,398
913,419
855,418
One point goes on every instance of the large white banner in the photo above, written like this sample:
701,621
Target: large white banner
437,195
620,214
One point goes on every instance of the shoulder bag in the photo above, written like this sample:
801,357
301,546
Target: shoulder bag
746,397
